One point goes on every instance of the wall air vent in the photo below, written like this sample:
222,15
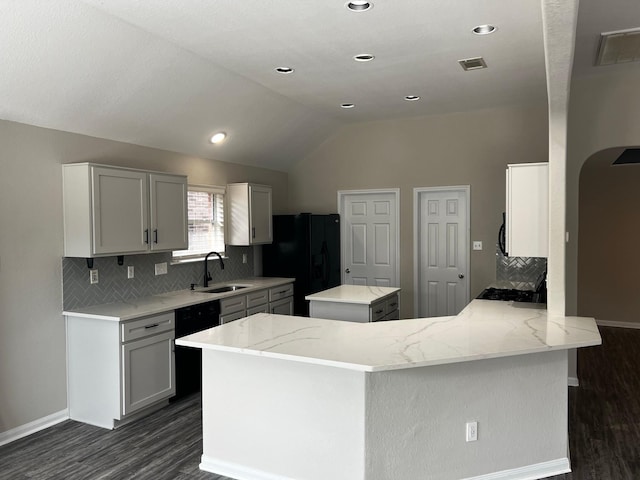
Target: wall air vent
622,46
473,63
629,156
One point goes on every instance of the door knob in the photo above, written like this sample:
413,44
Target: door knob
460,275
346,270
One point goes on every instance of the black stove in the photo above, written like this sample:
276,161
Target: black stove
509,294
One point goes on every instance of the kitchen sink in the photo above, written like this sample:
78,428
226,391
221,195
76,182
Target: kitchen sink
225,288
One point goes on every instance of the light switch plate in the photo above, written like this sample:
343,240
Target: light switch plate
477,245
130,271
93,276
161,268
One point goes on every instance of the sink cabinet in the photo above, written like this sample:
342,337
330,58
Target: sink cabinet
119,371
115,211
248,214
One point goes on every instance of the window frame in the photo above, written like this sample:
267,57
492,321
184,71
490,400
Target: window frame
215,190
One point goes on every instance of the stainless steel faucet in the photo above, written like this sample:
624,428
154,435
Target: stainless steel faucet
207,275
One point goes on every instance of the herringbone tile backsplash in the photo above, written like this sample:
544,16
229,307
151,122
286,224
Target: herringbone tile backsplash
114,286
522,272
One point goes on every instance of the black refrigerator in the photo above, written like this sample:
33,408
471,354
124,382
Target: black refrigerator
306,247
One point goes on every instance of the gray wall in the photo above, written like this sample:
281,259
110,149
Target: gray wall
604,113
32,338
471,148
609,236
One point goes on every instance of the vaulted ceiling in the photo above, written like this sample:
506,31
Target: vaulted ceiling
169,74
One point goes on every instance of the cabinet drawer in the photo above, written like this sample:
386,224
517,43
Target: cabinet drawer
143,327
232,316
283,306
259,309
233,304
260,297
392,304
395,315
377,311
283,291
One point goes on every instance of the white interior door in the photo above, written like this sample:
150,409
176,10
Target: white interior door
369,237
441,250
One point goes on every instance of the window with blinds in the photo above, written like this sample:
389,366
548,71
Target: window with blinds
206,222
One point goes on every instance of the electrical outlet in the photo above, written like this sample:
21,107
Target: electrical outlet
130,272
244,258
93,276
472,431
477,245
161,268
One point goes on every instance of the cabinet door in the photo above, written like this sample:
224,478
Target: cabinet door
282,307
260,218
119,207
168,210
148,371
528,210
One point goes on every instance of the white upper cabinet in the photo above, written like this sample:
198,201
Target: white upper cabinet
527,229
117,211
168,212
248,214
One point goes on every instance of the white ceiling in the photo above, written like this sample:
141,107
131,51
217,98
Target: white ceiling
168,73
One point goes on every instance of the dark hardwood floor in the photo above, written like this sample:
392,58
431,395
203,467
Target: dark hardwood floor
604,431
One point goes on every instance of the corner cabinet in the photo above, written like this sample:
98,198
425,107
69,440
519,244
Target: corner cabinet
116,211
248,208
527,216
119,371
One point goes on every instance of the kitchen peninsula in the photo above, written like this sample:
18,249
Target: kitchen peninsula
304,398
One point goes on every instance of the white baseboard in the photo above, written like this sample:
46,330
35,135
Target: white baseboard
234,470
530,472
573,382
613,323
33,427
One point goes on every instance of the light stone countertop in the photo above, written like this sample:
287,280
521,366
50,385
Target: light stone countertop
484,329
359,294
163,302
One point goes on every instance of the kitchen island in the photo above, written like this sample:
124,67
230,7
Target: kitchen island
304,398
356,303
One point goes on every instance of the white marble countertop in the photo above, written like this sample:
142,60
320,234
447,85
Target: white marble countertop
352,294
143,306
484,329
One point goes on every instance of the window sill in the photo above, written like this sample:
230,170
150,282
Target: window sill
180,261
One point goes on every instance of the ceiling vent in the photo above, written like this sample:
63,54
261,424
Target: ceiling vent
619,47
629,156
473,63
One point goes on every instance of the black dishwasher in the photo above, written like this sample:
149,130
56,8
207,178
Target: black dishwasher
190,320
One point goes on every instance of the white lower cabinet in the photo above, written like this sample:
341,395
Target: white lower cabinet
147,371
282,307
277,300
119,371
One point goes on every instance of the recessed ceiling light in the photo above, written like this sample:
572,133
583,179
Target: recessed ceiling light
218,137
348,105
364,57
284,70
412,98
484,29
359,5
